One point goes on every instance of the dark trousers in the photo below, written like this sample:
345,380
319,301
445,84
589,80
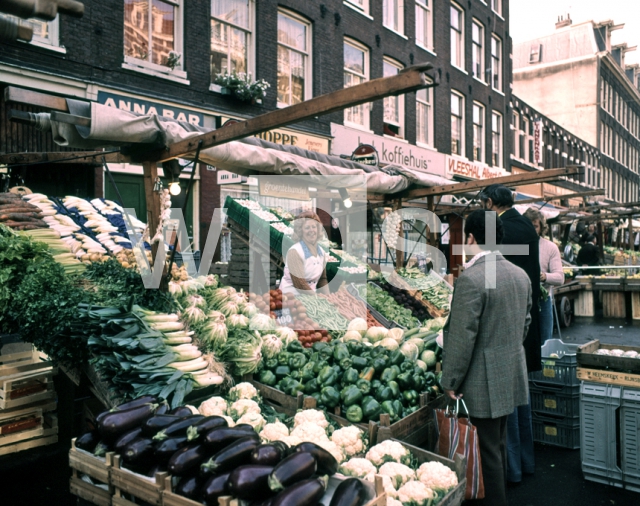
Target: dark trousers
492,435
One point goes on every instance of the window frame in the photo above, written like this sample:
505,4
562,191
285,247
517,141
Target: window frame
481,128
496,6
363,10
137,64
428,104
308,78
251,46
461,33
498,40
399,16
425,7
52,27
399,104
500,133
474,47
367,76
461,98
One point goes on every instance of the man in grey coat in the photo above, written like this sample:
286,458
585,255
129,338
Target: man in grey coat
483,354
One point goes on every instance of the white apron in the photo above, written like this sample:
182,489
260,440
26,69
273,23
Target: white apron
313,267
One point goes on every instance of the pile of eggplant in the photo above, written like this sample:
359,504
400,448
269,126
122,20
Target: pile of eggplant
210,459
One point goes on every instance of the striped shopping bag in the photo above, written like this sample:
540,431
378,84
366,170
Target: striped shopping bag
458,435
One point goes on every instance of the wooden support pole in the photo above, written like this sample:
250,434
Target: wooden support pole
400,239
67,156
560,197
27,97
150,171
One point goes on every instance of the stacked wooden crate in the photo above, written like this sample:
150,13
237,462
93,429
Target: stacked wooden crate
27,399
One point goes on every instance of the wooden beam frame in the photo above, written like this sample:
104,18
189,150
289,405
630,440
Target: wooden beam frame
17,159
561,197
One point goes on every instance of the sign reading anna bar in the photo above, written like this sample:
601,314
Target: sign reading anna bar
140,106
537,141
286,188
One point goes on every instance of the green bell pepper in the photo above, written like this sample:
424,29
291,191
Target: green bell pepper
311,386
268,378
419,383
284,383
351,395
430,379
371,409
398,408
387,407
410,409
319,346
410,397
350,376
330,397
375,384
354,347
283,358
327,353
295,347
405,380
354,414
380,363
340,352
359,362
317,396
271,363
297,361
328,376
295,374
396,369
294,388
407,366
282,371
384,393
376,350
346,363
396,358
395,389
364,386
306,373
388,375
319,365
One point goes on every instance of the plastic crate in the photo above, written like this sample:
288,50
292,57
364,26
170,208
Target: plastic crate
599,434
561,370
558,400
557,431
630,437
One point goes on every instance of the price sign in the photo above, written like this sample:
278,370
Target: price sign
283,317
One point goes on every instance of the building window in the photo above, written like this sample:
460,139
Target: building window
231,30
152,31
393,15
424,116
478,132
393,106
457,124
361,5
356,71
496,139
496,5
457,36
496,63
515,124
477,50
294,55
45,33
424,24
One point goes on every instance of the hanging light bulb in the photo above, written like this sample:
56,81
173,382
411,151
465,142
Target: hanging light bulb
346,201
174,188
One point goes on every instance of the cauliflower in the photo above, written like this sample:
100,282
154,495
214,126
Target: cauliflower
242,407
274,431
388,451
358,468
229,420
290,441
437,476
310,432
393,502
213,406
332,448
349,439
387,484
254,419
399,473
415,493
243,391
313,416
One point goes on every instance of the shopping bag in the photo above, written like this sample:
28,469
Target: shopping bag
458,435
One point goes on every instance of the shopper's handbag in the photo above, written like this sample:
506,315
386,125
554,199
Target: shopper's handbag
458,435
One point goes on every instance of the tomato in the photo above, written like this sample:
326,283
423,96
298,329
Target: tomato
324,340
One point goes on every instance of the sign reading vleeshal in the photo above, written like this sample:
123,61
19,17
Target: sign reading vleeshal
284,187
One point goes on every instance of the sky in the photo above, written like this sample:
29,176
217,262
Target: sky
530,19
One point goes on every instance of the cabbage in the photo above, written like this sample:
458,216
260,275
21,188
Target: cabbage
271,345
375,334
429,358
409,350
262,322
242,351
193,315
352,335
388,343
250,309
229,308
421,365
213,335
418,342
238,320
359,325
396,334
286,334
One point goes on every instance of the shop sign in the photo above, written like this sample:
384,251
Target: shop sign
284,187
537,141
140,106
471,170
366,155
390,152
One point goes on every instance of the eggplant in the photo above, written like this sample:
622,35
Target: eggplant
178,428
163,409
139,451
122,442
187,459
181,411
88,441
350,492
234,455
156,423
189,487
221,437
215,487
199,429
296,467
159,467
247,482
303,493
164,450
140,401
327,463
116,423
244,426
268,455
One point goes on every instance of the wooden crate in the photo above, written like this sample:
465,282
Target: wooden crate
169,498
97,469
142,488
609,377
23,358
614,305
584,304
635,305
280,401
632,285
609,284
46,434
22,389
586,357
585,281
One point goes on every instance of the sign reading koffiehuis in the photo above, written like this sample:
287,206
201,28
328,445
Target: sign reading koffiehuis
283,187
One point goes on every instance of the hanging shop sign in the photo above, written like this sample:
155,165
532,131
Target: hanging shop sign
461,167
390,152
284,187
366,154
537,141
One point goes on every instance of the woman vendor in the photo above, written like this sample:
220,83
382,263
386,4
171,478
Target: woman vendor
305,265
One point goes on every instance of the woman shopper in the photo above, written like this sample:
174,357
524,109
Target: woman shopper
305,266
551,273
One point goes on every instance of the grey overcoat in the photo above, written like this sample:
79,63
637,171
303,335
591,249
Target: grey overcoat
483,355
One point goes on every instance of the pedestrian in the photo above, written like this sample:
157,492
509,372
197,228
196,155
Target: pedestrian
589,255
483,355
518,230
590,230
551,272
